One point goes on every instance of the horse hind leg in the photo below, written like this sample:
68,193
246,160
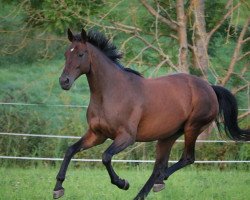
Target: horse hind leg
159,182
197,122
163,149
188,156
191,131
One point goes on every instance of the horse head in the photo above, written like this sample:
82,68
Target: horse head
77,59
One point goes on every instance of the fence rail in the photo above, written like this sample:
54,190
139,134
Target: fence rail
42,104
122,161
78,137
99,160
63,105
117,161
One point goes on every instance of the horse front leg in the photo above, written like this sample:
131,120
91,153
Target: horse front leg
119,144
89,140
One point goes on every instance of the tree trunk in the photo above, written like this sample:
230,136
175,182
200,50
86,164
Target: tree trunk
182,35
200,56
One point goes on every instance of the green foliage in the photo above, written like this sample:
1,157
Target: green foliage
21,44
57,16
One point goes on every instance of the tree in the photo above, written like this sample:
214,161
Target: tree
180,35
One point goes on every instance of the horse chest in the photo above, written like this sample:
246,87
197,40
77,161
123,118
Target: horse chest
100,125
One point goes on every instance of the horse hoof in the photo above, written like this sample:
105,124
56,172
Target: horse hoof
158,187
126,185
139,198
57,194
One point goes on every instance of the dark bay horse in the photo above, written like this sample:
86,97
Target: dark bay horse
126,108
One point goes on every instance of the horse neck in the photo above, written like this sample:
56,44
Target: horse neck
104,75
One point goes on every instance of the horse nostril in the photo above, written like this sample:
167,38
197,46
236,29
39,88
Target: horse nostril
64,80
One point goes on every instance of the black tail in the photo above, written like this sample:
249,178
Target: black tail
228,110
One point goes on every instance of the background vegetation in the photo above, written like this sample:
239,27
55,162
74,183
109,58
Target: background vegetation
33,40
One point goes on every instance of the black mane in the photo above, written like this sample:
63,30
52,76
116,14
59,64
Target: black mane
100,41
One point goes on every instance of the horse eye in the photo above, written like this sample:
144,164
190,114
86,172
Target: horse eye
80,54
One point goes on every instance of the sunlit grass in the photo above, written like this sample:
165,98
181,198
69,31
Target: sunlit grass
87,183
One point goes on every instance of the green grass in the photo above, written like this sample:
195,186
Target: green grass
87,183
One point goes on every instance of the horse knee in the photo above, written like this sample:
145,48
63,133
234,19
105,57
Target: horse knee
106,158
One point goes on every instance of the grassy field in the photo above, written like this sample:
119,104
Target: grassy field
87,183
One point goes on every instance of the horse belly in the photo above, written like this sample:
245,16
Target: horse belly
160,125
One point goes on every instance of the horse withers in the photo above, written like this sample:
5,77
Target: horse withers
126,108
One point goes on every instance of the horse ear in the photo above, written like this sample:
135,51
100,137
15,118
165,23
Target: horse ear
84,36
70,36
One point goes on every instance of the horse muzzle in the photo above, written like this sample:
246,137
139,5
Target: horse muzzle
65,82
